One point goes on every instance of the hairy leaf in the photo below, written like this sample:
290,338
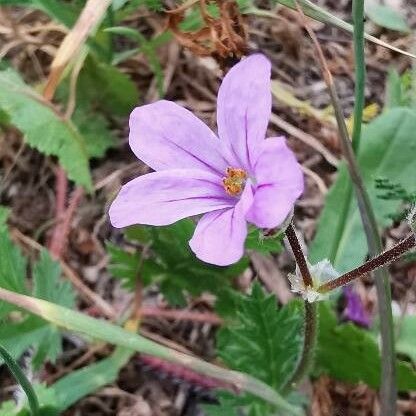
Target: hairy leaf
43,128
263,340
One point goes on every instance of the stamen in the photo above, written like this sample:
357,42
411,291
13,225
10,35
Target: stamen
234,181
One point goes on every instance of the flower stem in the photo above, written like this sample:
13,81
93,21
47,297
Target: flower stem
388,390
299,257
381,260
311,316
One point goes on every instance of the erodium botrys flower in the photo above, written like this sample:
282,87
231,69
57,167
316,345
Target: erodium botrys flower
235,179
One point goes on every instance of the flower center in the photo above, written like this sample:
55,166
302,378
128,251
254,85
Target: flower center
234,181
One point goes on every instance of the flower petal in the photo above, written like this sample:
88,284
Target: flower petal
162,198
219,236
166,136
279,184
244,107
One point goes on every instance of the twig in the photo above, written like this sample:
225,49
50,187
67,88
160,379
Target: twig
311,317
181,315
388,390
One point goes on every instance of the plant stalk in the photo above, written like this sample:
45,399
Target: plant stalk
311,315
381,260
388,390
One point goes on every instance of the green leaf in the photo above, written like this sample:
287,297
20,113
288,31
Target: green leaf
21,378
406,341
386,151
257,241
171,263
103,86
12,265
48,284
32,331
43,128
123,265
85,381
351,354
387,17
96,131
105,331
263,340
63,12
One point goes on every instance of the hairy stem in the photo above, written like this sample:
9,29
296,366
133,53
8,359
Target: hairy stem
388,390
381,260
311,317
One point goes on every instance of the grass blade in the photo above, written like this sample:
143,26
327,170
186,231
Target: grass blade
21,378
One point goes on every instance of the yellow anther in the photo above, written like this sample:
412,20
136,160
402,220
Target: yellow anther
234,181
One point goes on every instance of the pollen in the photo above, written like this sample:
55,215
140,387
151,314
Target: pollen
234,181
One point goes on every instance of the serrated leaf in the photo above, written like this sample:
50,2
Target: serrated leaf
387,150
351,354
263,340
48,284
103,86
43,129
171,263
32,331
108,332
387,17
96,132
123,265
258,242
12,266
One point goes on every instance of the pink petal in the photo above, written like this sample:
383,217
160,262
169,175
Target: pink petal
162,198
166,136
220,235
279,184
244,107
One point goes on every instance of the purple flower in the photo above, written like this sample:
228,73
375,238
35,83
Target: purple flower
238,179
354,310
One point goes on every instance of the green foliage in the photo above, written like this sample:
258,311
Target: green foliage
170,263
406,340
261,340
69,389
21,378
386,16
256,240
386,151
105,88
43,128
399,89
17,336
32,331
148,47
351,354
64,12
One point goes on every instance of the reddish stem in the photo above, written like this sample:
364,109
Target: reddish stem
381,260
60,233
